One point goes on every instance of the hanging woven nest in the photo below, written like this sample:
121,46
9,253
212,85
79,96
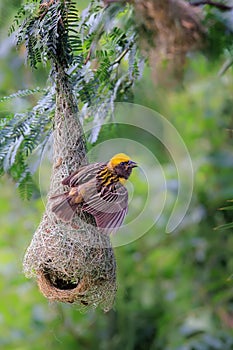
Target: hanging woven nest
72,262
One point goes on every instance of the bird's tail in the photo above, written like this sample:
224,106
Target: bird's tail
64,209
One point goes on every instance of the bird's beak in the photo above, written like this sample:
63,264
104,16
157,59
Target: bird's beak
132,164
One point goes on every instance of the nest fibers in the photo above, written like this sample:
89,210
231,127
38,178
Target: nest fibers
72,262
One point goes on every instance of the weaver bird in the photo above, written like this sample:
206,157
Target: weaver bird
97,189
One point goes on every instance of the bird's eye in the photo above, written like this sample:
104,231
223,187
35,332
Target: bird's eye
122,163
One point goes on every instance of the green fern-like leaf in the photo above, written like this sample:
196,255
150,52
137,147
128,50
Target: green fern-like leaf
26,186
225,226
21,93
228,225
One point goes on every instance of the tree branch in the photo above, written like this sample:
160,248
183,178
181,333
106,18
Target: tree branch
219,5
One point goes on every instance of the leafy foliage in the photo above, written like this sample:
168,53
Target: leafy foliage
230,224
219,32
217,19
21,93
100,53
44,30
20,135
112,63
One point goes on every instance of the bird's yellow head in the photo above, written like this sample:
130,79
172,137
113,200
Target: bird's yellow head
117,159
121,165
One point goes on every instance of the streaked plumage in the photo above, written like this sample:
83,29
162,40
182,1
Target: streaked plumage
99,190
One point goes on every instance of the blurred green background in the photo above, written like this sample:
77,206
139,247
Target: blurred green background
175,291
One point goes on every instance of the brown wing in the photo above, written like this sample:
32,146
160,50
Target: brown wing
83,174
109,207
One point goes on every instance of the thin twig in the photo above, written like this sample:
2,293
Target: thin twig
108,2
219,5
94,43
89,54
119,58
225,66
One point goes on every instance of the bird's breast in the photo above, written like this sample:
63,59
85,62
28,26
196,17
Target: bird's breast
106,178
122,180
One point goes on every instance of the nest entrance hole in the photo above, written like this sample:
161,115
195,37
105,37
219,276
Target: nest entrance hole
58,282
